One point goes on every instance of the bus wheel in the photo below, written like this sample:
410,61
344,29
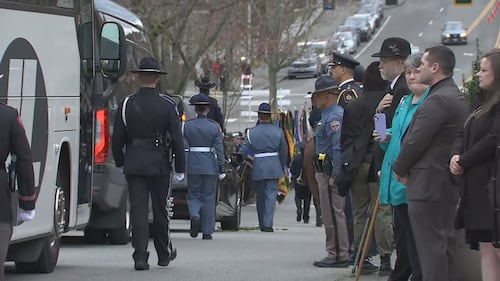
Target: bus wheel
49,255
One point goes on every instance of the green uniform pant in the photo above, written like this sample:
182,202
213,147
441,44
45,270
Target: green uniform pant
363,193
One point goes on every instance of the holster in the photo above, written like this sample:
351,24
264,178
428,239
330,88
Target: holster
322,166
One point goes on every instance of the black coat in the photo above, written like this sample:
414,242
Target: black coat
13,141
215,113
477,145
147,114
356,137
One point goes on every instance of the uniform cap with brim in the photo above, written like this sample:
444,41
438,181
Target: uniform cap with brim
204,83
325,83
149,65
199,99
343,60
264,108
394,47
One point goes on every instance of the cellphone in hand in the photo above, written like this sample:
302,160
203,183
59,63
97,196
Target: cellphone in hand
380,124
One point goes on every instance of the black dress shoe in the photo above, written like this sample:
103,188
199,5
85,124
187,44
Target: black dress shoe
207,237
172,257
299,214
141,265
266,229
331,262
368,268
306,220
195,227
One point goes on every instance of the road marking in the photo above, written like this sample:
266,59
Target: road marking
481,16
373,38
469,54
420,34
441,10
431,22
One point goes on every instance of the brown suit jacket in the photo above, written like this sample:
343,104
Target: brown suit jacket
426,147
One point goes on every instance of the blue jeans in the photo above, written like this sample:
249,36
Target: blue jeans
201,200
266,191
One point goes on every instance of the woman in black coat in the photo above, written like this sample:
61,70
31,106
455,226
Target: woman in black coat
474,159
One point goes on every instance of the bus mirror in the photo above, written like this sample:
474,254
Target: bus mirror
110,49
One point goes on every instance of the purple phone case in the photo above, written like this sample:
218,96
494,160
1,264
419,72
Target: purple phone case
380,124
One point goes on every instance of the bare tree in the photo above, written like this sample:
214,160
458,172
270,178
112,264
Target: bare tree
182,31
279,26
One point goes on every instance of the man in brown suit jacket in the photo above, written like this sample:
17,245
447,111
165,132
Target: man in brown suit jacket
422,165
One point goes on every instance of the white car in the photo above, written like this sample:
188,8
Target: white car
372,20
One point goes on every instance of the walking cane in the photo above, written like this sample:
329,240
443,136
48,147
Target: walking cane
366,242
363,235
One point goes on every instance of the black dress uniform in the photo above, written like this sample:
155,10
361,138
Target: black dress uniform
146,125
349,89
13,141
215,112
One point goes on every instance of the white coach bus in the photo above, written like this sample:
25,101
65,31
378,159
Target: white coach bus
64,65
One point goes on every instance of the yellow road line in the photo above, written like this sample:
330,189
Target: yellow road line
481,16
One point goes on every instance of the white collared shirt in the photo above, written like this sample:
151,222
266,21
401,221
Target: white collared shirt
393,83
346,81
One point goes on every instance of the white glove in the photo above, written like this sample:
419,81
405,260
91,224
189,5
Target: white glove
24,215
222,176
179,177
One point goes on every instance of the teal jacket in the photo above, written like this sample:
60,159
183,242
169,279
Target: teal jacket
391,190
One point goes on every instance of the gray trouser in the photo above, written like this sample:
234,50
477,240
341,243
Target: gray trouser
432,227
201,200
266,191
5,235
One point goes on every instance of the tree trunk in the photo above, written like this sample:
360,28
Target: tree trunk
273,85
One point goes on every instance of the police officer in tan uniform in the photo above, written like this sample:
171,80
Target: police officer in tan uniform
327,164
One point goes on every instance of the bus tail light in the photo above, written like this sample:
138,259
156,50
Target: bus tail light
102,138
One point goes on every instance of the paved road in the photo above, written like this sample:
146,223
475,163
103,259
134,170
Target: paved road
418,21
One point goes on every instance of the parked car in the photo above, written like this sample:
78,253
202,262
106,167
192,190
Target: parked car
346,42
352,30
228,193
322,50
372,20
454,32
361,25
373,11
308,64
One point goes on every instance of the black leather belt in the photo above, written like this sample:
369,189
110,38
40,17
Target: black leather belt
143,141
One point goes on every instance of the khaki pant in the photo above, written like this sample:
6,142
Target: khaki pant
363,193
337,240
5,234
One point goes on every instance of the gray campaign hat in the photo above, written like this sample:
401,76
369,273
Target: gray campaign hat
149,65
325,83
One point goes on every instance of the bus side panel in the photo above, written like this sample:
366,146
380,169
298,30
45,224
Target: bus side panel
41,78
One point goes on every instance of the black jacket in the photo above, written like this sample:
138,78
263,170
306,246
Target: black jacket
356,137
147,115
13,141
400,90
477,145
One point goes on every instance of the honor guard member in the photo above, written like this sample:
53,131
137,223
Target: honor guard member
144,122
215,112
327,164
13,141
268,143
342,70
205,160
